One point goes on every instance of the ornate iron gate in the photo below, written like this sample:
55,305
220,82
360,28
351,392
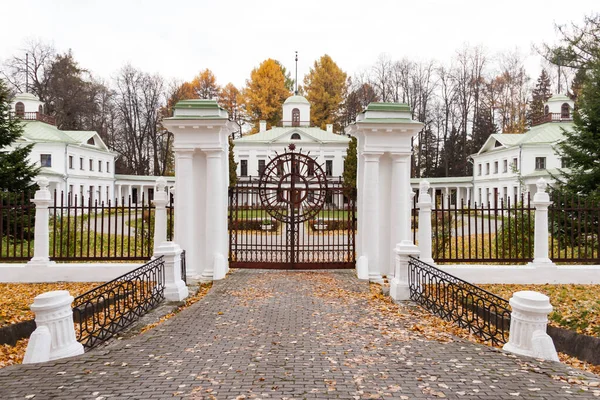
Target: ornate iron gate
292,217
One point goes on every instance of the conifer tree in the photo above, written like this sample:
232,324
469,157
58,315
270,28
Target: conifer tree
16,173
580,151
540,94
350,165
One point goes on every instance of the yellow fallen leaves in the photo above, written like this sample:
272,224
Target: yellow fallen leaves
576,307
10,355
15,298
202,291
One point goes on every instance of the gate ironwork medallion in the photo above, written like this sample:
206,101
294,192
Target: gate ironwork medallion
293,216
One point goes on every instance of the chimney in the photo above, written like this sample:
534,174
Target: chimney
329,128
263,126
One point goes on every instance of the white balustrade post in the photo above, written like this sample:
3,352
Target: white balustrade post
175,288
399,287
424,234
41,250
528,322
541,201
160,212
54,336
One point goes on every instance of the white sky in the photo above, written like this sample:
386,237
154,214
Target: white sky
179,38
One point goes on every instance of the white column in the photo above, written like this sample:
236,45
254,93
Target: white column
216,267
370,220
41,250
397,214
446,199
424,233
119,195
175,288
160,213
468,195
528,322
541,201
184,208
54,320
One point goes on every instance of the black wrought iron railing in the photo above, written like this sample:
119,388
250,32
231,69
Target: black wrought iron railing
17,220
183,267
109,308
481,312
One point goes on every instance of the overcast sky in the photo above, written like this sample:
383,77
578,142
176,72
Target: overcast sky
179,38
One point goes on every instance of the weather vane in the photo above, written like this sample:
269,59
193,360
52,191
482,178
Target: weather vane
296,91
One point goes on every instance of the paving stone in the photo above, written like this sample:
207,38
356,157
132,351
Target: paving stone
288,334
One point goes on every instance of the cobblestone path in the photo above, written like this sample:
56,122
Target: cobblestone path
293,335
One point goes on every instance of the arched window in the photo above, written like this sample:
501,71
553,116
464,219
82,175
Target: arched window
295,136
546,110
91,141
565,111
295,117
20,109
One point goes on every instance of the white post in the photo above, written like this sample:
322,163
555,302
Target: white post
41,250
399,287
160,212
541,201
528,322
55,337
184,208
424,234
175,288
370,221
216,268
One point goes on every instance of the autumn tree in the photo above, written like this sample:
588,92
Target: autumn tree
205,85
265,93
325,87
230,99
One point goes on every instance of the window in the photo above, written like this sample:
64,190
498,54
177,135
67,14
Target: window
46,160
81,163
20,109
515,163
91,141
495,167
91,164
329,167
107,193
99,166
505,166
487,168
70,162
91,193
516,193
540,163
280,168
71,194
81,192
479,169
564,163
505,196
295,118
107,166
565,111
480,199
295,136
243,167
546,110
311,167
261,167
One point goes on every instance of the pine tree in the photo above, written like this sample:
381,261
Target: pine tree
350,164
16,173
580,150
232,165
539,95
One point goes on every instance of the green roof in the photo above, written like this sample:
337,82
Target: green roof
296,99
550,132
273,134
37,131
388,107
197,103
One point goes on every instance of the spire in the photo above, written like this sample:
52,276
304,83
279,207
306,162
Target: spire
296,81
26,72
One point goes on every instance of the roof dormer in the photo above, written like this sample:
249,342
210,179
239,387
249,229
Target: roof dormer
28,107
558,108
296,111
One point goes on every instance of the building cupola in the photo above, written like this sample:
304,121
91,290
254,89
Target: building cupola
296,111
28,107
558,108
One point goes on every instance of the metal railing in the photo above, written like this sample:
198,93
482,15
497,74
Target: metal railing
91,230
553,117
34,116
501,231
574,228
107,309
183,267
481,312
17,221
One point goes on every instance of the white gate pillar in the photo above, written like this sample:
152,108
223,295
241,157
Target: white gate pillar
201,129
541,201
160,213
384,132
424,204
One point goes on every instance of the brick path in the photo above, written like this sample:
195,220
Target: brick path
300,335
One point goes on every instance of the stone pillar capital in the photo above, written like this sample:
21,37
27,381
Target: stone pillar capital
214,153
372,156
184,153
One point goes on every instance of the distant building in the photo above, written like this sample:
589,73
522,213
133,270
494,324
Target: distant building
77,163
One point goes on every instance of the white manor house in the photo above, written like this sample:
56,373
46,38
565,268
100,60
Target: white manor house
78,162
